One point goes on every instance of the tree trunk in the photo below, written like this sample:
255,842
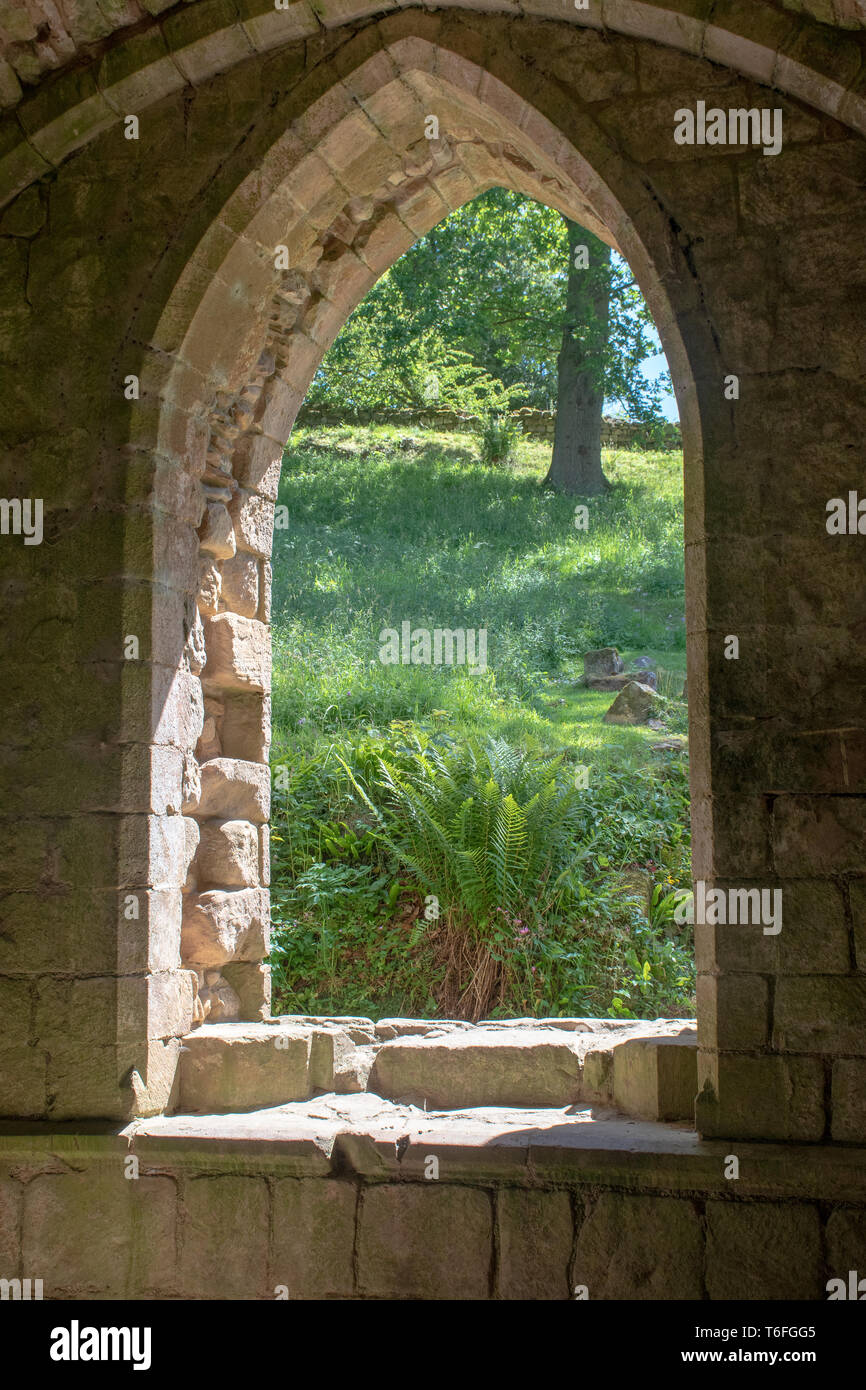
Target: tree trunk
576,464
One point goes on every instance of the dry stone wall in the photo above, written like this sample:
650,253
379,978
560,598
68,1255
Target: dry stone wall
537,424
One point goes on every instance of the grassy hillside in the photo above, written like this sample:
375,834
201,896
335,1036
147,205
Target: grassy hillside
387,527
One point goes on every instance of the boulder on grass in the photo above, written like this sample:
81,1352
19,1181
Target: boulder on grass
633,705
602,664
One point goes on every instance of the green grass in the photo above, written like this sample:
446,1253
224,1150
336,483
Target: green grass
387,526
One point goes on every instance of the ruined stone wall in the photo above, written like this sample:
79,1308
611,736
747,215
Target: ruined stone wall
496,1215
154,350
537,424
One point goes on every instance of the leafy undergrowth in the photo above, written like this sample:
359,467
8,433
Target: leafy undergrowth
435,851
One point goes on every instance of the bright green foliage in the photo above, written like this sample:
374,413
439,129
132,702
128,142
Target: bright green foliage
498,440
552,880
483,827
471,318
386,527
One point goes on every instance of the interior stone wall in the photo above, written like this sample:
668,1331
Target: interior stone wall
136,785
329,1212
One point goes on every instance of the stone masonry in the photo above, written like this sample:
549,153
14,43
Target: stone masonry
193,197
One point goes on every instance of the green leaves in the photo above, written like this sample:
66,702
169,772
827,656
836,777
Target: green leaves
471,317
487,827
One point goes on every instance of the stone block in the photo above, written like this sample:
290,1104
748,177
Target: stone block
597,1081
176,701
536,1232
23,1082
11,1194
845,1240
98,1234
265,854
640,1248
769,1097
246,727
86,1009
269,28
206,39
857,891
733,1010
137,72
210,588
633,705
15,1005
222,926
314,1237
759,1251
266,585
480,1067
238,1066
238,653
228,855
350,1065
820,1014
66,115
153,852
217,1001
224,1237
151,942
253,519
424,1241
240,585
251,981
388,1028
657,1078
257,461
849,1100
147,1007
606,661
209,745
816,836
216,536
233,789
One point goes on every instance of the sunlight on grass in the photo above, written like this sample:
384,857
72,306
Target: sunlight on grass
390,526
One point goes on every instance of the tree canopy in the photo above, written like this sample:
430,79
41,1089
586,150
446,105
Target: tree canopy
472,317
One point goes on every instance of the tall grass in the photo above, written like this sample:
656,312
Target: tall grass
387,527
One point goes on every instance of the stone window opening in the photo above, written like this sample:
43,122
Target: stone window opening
316,275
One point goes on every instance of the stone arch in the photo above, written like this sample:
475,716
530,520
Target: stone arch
312,229
752,265
98,85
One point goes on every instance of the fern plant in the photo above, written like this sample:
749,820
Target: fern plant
484,826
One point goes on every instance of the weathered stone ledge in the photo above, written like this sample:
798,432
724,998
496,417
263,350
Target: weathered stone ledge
647,1068
363,1136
